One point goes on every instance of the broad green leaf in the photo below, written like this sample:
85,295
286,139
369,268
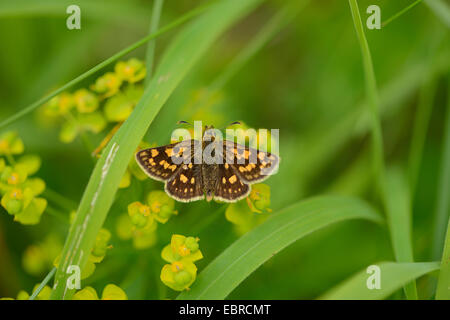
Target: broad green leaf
393,276
245,255
179,58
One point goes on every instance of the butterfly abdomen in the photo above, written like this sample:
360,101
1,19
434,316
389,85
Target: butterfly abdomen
210,173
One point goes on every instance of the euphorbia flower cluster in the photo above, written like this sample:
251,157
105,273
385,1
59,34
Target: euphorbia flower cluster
181,253
20,192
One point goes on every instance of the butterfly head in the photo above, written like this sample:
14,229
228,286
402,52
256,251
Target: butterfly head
209,133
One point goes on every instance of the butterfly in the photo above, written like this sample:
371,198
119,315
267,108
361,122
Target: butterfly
213,169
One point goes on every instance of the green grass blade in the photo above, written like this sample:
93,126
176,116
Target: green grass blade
421,123
398,212
423,112
441,10
443,286
44,282
101,65
442,215
249,252
131,12
443,197
392,277
185,50
373,101
400,13
399,221
150,54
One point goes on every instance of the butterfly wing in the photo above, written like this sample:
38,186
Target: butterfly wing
186,184
230,187
163,163
250,164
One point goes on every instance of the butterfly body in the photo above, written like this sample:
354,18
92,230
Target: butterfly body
211,169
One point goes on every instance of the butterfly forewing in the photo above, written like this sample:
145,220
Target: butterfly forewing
230,187
163,163
250,164
186,185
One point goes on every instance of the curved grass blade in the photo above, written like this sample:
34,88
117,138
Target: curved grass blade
399,220
400,13
441,10
130,12
373,102
149,56
442,215
249,252
185,50
393,276
102,64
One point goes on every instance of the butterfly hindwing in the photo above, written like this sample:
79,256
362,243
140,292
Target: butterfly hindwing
250,164
230,187
186,185
162,163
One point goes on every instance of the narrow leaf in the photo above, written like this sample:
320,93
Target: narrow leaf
245,255
399,221
393,276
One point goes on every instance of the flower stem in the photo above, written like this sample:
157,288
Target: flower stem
43,283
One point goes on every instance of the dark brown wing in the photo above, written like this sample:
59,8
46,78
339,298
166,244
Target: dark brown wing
186,185
230,187
250,164
163,163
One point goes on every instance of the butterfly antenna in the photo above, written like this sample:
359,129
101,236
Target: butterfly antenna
231,124
184,122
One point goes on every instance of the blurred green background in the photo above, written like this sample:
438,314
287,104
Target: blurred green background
307,80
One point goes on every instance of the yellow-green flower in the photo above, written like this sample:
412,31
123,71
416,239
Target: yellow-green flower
10,143
38,258
43,295
179,275
119,107
59,105
161,205
182,248
94,121
140,214
29,163
110,292
101,244
13,176
132,70
113,292
259,198
107,85
97,254
34,260
26,208
143,238
245,215
85,101
181,253
87,293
